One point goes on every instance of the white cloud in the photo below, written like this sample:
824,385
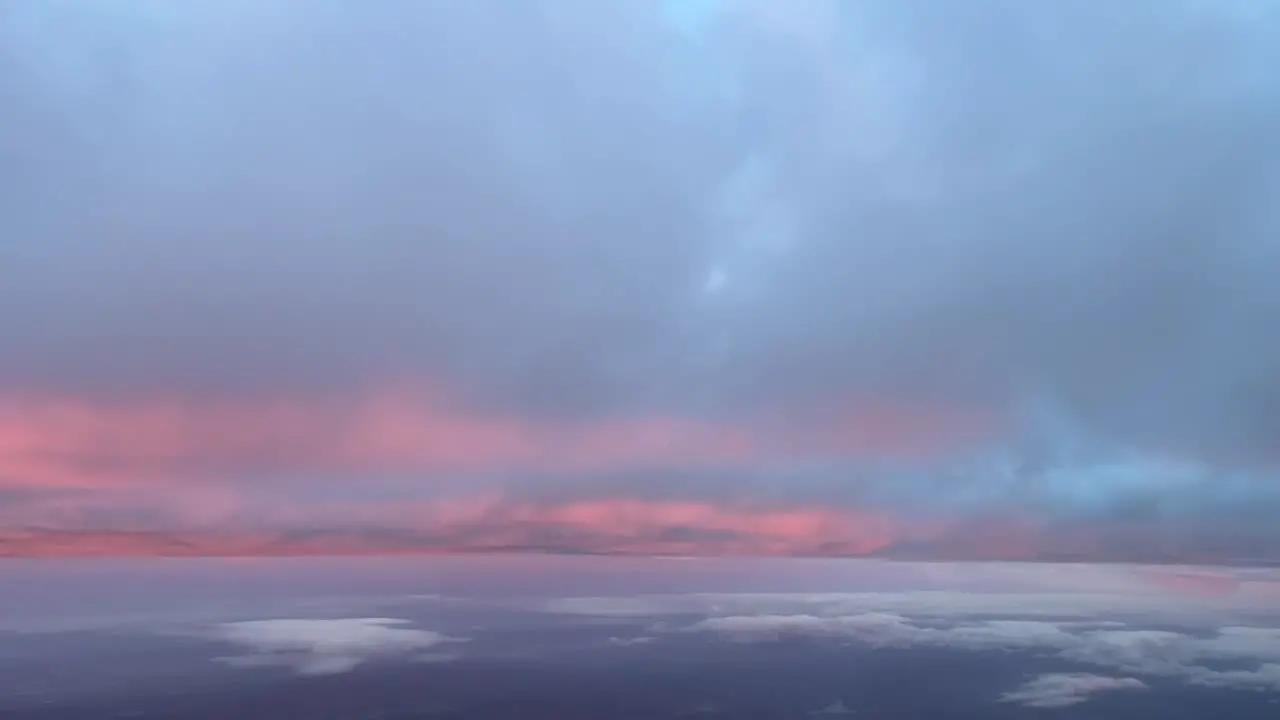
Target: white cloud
884,630
1265,677
323,646
1057,690
1189,653
1211,597
627,642
1245,643
943,605
1177,623
874,628
1153,652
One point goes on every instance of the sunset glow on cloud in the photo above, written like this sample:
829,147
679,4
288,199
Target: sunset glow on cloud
65,443
231,474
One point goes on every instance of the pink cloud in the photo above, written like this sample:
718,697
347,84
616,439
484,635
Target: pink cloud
616,526
186,477
60,442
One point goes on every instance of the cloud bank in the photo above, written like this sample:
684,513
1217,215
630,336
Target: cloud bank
1105,627
837,279
1201,652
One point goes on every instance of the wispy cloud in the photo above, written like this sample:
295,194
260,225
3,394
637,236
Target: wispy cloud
1058,690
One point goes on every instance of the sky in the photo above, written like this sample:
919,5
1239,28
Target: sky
984,280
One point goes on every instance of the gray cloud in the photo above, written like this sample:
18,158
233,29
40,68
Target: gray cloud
566,208
1074,197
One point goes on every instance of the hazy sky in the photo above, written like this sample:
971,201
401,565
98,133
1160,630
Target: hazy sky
982,278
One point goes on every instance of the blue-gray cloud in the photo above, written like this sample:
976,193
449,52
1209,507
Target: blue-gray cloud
740,212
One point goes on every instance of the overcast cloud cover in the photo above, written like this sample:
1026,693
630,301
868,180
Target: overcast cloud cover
983,279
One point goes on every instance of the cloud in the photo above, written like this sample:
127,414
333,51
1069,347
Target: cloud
399,474
55,442
1191,656
838,256
1083,597
885,630
628,642
323,646
1136,627
1059,690
874,628
457,524
836,708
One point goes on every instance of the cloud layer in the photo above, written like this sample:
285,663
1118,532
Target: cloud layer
1129,625
833,278
1161,653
